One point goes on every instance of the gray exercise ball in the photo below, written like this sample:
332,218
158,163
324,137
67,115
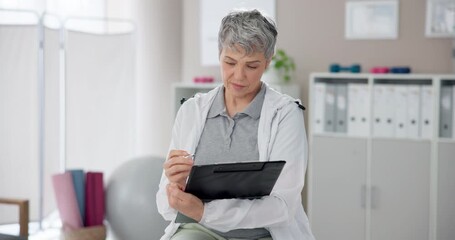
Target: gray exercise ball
130,200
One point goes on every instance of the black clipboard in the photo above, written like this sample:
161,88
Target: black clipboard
244,180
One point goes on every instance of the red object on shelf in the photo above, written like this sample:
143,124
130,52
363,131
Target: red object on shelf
203,79
379,70
94,199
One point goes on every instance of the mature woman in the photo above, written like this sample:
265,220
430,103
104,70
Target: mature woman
242,120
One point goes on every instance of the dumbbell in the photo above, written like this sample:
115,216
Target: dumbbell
354,68
390,70
400,70
379,70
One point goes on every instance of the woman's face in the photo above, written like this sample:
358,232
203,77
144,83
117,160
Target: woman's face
242,73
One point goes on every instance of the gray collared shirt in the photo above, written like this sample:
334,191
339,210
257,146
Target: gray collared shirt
225,139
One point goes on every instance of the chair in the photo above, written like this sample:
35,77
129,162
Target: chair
23,205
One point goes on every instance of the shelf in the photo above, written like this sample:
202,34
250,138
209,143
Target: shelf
398,173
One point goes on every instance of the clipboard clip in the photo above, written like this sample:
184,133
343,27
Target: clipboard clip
252,167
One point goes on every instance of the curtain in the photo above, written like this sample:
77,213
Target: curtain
99,100
19,122
97,106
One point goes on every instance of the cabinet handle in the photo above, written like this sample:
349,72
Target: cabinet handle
363,196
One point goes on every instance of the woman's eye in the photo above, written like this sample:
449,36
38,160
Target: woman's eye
252,67
230,63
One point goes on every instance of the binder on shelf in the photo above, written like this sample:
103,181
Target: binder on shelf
413,111
445,112
341,93
383,107
426,111
378,105
329,108
389,110
401,99
353,109
65,196
94,195
363,108
78,176
318,107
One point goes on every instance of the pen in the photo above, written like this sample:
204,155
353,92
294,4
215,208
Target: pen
190,156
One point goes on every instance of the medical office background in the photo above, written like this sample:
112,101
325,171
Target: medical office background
117,101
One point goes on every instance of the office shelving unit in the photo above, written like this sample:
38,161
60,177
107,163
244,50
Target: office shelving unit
372,186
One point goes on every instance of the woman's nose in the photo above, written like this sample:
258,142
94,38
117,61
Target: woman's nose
239,73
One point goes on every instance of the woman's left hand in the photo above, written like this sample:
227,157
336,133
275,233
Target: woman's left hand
185,203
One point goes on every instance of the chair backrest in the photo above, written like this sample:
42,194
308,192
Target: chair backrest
23,205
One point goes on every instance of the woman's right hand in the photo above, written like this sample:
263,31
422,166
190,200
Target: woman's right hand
178,166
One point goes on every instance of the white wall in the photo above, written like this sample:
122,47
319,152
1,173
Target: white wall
159,37
312,32
168,50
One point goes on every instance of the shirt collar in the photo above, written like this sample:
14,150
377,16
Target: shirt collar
253,109
255,106
218,107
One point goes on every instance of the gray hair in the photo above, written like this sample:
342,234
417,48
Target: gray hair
249,30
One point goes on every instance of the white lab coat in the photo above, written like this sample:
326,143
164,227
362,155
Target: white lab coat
281,136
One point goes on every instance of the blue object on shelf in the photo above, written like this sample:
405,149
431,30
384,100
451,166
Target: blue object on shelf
400,70
354,68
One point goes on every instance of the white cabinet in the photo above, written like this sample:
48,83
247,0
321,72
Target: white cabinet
388,174
182,91
339,180
400,189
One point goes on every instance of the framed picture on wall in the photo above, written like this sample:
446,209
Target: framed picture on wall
440,19
371,19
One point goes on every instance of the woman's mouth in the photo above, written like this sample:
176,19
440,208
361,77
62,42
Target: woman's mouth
237,86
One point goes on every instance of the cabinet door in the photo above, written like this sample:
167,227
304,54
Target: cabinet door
338,193
446,192
400,189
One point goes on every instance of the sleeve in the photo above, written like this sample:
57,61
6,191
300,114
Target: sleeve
278,209
162,203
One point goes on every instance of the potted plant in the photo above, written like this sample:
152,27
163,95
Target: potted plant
281,68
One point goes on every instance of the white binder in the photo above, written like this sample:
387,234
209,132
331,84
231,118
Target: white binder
390,106
358,109
318,107
426,111
353,109
329,108
341,107
379,109
401,123
363,107
413,111
384,110
445,112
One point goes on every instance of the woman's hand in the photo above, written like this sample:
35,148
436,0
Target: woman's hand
186,203
178,166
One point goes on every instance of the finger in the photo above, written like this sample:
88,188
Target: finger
177,153
178,193
179,178
177,161
176,169
174,196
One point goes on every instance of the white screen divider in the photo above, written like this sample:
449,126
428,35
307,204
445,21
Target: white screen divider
20,113
99,95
